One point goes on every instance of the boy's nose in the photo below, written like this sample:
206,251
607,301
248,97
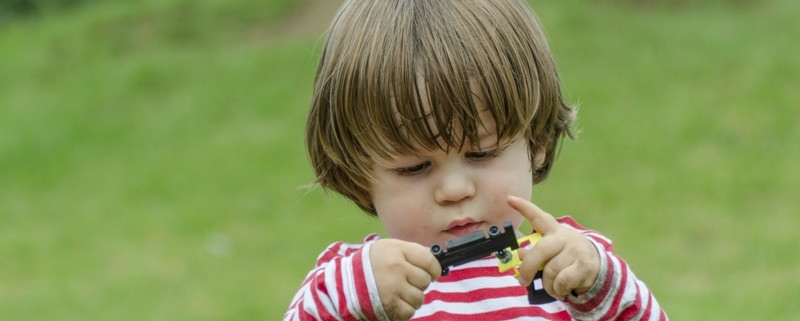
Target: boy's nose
454,186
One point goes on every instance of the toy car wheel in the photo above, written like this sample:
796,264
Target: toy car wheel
494,231
436,250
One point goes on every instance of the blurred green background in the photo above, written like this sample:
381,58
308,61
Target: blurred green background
152,158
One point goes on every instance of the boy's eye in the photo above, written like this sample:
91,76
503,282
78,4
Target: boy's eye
412,170
483,155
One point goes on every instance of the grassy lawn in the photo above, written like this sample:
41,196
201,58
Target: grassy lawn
152,158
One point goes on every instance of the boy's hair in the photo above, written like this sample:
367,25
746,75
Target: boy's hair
385,60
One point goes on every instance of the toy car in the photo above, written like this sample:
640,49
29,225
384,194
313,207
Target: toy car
477,245
503,244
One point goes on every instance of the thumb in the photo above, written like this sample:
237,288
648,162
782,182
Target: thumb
540,220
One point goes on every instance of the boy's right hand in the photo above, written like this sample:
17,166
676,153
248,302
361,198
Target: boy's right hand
402,270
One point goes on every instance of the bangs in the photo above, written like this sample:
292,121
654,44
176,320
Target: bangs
424,81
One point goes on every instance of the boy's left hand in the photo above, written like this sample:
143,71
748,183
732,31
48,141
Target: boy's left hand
571,263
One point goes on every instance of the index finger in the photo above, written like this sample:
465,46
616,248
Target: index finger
540,220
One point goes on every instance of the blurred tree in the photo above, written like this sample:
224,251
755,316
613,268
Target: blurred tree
12,8
16,7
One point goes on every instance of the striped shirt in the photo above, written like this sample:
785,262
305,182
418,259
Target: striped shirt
342,287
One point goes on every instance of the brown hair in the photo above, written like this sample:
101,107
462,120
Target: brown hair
379,53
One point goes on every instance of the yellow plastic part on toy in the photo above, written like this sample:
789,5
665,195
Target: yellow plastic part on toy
514,261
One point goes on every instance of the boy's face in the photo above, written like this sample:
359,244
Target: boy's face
434,196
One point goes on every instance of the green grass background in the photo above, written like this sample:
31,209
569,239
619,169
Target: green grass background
151,155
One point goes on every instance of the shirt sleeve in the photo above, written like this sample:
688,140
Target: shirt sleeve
340,287
617,294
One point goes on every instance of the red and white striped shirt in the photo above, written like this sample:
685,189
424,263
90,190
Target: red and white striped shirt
342,287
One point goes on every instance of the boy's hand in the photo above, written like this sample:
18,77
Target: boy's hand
571,263
403,270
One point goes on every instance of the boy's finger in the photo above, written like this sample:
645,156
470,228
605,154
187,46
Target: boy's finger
540,220
565,281
422,257
399,309
531,263
534,259
419,278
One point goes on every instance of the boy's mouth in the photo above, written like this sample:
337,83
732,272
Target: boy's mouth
463,227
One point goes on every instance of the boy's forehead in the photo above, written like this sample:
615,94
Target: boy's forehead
425,115
425,105
485,129
486,136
